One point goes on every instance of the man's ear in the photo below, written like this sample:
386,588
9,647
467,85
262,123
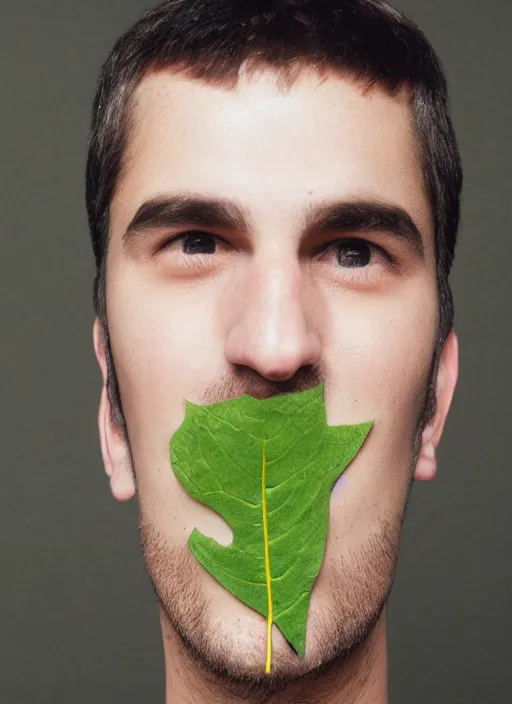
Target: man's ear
447,373
114,448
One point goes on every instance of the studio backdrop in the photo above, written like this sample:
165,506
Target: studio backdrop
78,618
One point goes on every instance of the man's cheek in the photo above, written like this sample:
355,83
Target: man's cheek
381,339
159,360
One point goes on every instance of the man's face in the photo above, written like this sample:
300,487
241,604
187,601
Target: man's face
270,305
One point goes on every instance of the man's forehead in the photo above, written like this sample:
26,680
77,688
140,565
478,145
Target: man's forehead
323,135
172,89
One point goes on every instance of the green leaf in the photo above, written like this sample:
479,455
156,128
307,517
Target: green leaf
268,468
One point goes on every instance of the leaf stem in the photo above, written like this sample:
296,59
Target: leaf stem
267,558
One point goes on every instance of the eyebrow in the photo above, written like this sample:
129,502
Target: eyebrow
192,210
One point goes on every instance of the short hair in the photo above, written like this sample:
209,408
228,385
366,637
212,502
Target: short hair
212,40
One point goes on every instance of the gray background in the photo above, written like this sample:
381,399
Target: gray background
78,621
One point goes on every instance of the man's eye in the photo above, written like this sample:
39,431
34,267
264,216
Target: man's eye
198,243
352,253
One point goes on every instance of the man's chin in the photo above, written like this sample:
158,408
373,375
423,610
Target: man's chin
234,650
226,640
230,656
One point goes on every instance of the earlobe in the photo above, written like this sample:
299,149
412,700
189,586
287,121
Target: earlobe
114,450
426,465
446,380
102,423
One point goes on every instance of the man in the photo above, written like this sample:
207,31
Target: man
273,196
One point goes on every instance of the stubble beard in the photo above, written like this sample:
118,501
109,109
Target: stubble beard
357,587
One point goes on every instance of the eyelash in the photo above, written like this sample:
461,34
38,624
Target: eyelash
200,263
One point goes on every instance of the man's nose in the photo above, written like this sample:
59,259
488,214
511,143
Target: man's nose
271,327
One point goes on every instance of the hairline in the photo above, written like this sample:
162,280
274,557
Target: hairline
287,76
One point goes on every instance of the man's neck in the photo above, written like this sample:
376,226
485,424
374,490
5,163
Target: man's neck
360,680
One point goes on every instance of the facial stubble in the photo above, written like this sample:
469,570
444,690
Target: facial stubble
357,588
357,585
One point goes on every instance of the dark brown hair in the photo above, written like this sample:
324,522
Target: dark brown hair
210,40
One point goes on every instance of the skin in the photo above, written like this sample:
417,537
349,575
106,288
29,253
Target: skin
267,312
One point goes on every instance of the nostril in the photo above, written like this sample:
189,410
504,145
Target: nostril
280,368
